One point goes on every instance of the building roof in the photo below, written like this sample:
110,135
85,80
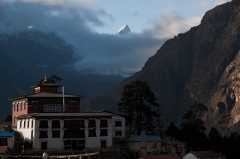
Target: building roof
48,95
143,138
159,157
206,154
172,142
67,115
46,84
7,133
3,149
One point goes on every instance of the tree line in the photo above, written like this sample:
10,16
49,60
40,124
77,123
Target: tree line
141,111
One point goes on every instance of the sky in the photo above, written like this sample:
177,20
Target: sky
90,26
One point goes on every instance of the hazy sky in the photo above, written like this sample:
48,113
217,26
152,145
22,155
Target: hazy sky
90,26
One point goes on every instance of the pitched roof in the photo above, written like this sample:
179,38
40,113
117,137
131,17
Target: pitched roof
143,138
3,149
7,133
159,157
205,154
48,95
172,142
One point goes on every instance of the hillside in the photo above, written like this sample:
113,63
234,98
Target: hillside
200,65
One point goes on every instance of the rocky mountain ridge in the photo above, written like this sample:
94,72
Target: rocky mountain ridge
200,65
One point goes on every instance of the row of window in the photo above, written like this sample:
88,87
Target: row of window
70,124
143,145
19,108
75,124
26,124
76,133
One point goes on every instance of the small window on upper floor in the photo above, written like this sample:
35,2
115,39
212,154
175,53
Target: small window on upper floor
118,123
56,124
28,124
104,123
73,105
34,105
43,124
92,123
143,145
118,132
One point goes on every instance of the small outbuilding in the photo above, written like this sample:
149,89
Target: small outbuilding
6,141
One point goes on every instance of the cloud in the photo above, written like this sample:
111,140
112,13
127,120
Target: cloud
97,53
63,3
168,24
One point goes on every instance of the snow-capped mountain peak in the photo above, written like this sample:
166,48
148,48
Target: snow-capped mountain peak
124,30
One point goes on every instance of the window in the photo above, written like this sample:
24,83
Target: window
118,133
67,144
44,145
28,124
24,105
32,134
55,123
43,134
20,124
43,124
24,122
153,145
91,123
81,144
143,145
82,134
79,123
34,105
32,124
118,123
92,132
55,133
74,133
104,132
3,141
72,105
103,123
69,124
103,143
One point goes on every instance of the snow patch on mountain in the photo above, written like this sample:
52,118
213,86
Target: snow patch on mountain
124,30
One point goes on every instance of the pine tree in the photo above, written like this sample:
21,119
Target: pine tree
138,104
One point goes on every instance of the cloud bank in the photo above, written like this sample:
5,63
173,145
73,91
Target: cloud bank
75,22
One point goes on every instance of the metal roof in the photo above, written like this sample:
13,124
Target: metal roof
48,95
46,84
7,133
43,115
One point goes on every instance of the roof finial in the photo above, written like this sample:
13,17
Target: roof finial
45,79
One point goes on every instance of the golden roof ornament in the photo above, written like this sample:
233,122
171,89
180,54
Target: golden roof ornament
45,79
